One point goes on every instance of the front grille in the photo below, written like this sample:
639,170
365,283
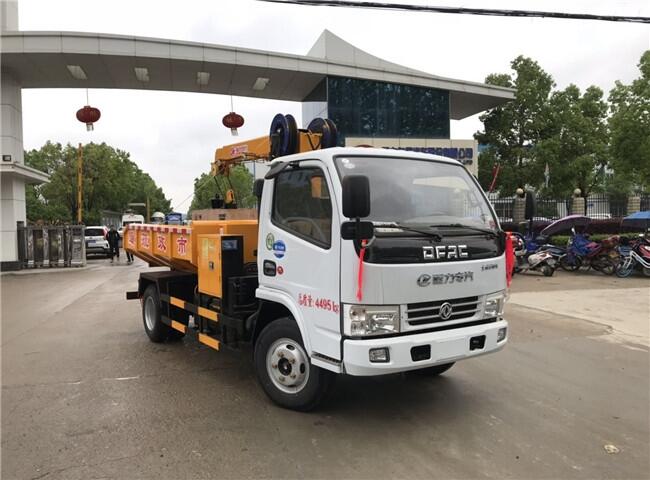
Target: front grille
424,313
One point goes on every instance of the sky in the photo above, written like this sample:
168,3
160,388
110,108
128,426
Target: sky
173,136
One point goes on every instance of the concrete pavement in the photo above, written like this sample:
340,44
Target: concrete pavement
86,395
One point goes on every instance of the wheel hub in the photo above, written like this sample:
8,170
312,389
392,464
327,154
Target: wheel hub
150,313
287,365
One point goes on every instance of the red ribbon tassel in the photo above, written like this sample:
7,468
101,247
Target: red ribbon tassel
362,253
510,258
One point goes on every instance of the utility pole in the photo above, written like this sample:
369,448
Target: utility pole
148,213
79,184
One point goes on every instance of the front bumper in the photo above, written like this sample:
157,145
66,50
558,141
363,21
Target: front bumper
97,248
446,346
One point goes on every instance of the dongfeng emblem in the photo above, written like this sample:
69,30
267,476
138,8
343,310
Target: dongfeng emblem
446,310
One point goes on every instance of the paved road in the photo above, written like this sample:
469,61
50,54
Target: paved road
86,395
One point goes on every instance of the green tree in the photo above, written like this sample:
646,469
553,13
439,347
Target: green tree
110,181
630,127
576,147
511,130
207,187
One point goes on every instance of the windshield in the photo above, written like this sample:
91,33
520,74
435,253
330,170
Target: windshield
94,232
420,192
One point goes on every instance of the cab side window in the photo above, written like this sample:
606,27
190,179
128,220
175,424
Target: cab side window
302,205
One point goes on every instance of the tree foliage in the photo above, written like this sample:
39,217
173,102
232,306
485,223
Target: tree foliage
207,187
512,129
110,182
576,146
630,127
566,130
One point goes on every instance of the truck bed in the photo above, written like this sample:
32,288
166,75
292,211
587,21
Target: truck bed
177,246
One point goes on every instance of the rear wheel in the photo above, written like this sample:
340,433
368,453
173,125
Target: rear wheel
284,370
434,371
605,265
646,271
570,264
547,270
156,330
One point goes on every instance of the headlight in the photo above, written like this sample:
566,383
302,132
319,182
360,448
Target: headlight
363,320
494,305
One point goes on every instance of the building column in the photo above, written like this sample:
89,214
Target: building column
578,203
633,204
9,15
519,207
12,192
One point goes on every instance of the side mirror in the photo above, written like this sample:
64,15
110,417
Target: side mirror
356,196
357,230
258,186
531,205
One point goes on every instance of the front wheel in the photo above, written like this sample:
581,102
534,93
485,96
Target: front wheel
625,268
284,370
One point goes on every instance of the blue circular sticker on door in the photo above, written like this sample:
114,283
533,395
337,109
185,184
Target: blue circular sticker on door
279,249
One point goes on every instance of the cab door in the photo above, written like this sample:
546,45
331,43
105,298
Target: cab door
299,251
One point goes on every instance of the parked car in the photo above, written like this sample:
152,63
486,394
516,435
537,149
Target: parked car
96,242
600,216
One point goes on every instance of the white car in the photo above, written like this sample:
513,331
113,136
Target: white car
95,237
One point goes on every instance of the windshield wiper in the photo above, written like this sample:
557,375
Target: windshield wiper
403,227
486,231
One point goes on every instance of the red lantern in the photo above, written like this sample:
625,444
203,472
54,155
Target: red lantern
233,121
88,115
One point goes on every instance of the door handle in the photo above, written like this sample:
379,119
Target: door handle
269,268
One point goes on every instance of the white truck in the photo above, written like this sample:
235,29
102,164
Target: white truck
363,262
129,218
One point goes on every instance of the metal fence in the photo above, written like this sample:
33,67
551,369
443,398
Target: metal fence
43,246
596,206
503,206
645,201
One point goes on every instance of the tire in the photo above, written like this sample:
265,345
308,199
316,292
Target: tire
155,329
547,270
569,267
646,271
434,371
623,271
606,265
281,339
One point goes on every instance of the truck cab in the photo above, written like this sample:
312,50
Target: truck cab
362,262
431,286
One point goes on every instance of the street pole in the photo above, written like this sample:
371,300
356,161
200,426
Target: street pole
148,216
79,183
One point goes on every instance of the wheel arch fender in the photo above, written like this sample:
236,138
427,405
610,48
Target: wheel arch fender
274,305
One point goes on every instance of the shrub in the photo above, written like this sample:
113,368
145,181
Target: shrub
610,226
561,240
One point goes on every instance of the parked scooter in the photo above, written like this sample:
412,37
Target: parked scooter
582,252
542,260
635,254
